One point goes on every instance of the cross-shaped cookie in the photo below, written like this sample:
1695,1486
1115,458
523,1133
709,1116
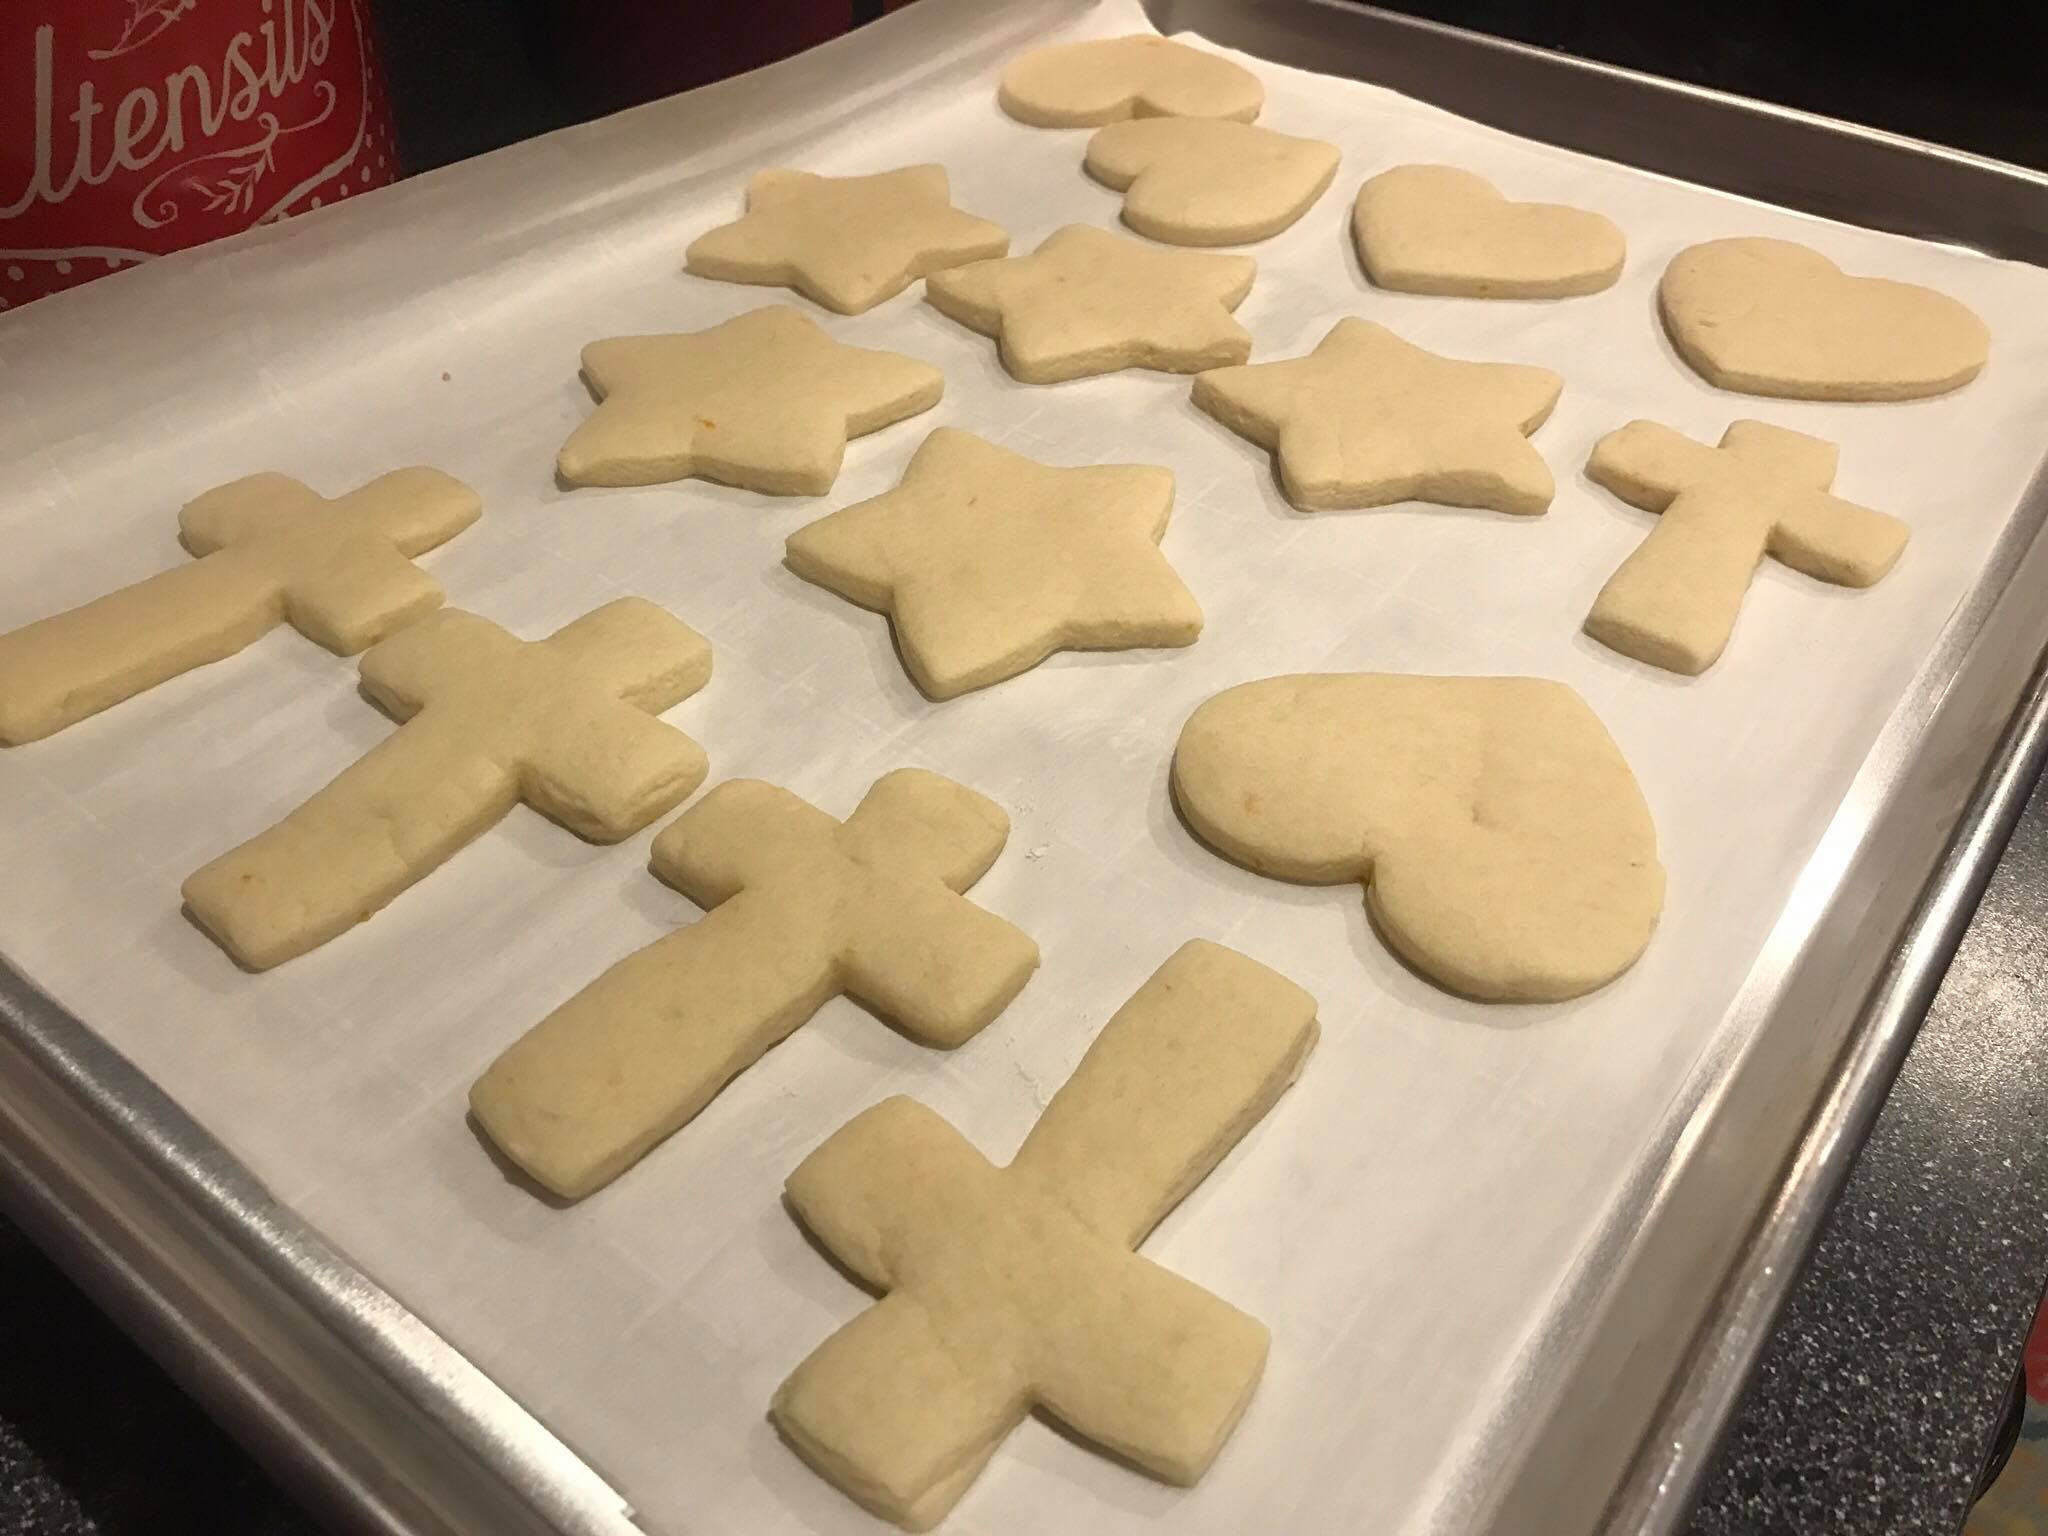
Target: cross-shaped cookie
1763,491
1367,419
1088,302
988,562
849,242
1014,1288
271,551
800,908
564,724
765,401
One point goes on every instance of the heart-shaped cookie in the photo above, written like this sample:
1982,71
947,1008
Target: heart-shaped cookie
1437,229
1505,848
1772,317
1209,180
1083,85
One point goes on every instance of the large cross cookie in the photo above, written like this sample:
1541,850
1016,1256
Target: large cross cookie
564,724
1014,1288
801,909
271,551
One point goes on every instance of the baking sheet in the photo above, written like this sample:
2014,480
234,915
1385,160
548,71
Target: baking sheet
1407,1215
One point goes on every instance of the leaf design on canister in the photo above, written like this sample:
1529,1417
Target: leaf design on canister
147,19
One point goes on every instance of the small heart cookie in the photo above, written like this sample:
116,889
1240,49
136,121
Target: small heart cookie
1083,85
1209,181
1437,229
1771,317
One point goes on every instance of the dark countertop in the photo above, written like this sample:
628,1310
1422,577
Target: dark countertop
95,1441
1886,1381
1884,1385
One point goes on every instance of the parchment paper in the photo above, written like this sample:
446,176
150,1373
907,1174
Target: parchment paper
1407,1215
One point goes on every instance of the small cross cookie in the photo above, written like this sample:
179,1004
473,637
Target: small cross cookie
1014,1288
1763,491
800,908
564,724
271,551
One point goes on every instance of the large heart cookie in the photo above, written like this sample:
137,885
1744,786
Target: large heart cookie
1437,229
1208,180
1505,848
1083,85
1770,317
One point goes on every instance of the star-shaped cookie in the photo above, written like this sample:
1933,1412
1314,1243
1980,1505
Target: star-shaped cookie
848,242
1087,302
1366,419
988,562
765,401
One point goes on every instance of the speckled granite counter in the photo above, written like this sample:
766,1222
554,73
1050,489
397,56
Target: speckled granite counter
1883,1388
95,1441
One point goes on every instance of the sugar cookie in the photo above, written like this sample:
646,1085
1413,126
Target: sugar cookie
988,563
848,242
1763,491
271,551
564,724
800,908
1367,419
765,401
1014,1288
1209,181
1438,229
1505,849
1088,302
1103,80
1770,317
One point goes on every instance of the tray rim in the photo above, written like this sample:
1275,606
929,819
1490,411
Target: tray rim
99,1121
84,1099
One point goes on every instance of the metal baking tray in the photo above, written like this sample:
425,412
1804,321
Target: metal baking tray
382,1425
